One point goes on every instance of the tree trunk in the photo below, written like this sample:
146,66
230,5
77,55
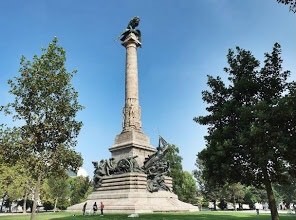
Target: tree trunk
234,204
36,195
55,204
25,202
271,199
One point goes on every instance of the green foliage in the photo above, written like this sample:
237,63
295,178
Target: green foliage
253,195
29,203
47,205
63,191
287,192
234,193
176,169
14,180
56,191
188,188
210,191
291,3
184,184
251,133
80,188
45,104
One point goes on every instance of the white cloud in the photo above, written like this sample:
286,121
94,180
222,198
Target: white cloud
82,172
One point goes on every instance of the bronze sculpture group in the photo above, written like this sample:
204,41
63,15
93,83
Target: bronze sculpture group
155,167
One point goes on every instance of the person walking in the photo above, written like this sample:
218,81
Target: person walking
95,207
102,208
257,207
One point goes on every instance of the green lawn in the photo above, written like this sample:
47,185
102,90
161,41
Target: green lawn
203,215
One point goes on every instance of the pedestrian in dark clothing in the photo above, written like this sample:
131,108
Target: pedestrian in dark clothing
84,208
95,207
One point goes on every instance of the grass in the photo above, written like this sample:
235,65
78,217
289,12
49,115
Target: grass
203,215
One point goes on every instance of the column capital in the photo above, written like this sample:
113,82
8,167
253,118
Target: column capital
131,38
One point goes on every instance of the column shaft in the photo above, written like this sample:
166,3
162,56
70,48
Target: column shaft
131,111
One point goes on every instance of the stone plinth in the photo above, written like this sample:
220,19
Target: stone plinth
132,143
127,193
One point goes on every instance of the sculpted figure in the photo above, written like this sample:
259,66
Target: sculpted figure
131,28
134,164
110,166
99,172
156,168
158,155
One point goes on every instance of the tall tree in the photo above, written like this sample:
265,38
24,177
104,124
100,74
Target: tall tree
21,181
188,188
46,104
176,169
14,181
80,188
251,124
234,192
287,192
253,195
211,191
56,190
184,184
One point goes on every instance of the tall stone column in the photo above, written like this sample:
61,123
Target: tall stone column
131,142
132,109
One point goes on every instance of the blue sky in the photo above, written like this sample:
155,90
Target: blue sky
183,41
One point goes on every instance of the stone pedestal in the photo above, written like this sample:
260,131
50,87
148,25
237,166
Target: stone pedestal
127,193
132,143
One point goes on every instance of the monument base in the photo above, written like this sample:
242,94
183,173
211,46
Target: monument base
127,193
132,143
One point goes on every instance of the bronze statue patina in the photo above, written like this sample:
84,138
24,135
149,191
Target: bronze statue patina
155,167
131,28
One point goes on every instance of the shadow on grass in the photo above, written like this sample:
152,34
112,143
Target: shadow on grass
179,216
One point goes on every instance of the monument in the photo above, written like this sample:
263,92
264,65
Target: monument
134,179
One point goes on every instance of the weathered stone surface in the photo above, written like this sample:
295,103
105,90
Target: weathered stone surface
132,143
127,192
133,198
132,109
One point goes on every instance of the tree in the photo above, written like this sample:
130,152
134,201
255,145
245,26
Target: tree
56,191
291,3
287,192
14,181
176,169
209,190
188,188
184,185
9,140
234,192
46,104
80,188
251,130
253,195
